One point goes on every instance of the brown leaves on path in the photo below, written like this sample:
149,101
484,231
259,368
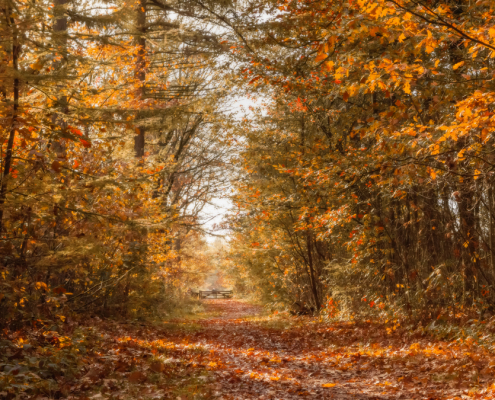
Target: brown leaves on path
234,352
284,358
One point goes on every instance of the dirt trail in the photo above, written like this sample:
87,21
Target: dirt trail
256,358
234,351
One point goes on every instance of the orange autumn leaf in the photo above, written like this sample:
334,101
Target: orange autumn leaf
320,57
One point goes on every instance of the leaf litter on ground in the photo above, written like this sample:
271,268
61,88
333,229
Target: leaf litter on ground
235,351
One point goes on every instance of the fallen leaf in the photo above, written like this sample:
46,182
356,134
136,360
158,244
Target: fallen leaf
137,377
56,166
157,366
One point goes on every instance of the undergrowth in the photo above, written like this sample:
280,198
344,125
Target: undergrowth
90,355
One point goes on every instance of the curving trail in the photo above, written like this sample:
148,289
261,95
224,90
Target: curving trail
286,358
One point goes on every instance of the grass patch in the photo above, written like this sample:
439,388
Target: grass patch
276,322
194,387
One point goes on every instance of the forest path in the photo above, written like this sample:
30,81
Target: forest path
256,357
233,350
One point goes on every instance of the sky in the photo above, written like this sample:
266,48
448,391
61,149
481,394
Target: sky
214,213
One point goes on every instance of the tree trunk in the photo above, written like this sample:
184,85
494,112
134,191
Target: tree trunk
140,72
312,277
15,109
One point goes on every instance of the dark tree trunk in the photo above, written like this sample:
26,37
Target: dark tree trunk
140,72
312,277
15,109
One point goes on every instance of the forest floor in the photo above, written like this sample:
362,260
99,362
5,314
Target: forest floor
234,351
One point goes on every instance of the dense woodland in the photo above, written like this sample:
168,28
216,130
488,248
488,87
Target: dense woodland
363,173
111,148
361,177
368,174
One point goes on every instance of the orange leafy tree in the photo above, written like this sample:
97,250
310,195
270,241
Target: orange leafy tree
373,158
110,149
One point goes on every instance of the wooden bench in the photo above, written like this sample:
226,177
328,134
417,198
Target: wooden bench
213,294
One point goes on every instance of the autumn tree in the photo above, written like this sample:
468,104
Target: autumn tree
393,141
86,87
